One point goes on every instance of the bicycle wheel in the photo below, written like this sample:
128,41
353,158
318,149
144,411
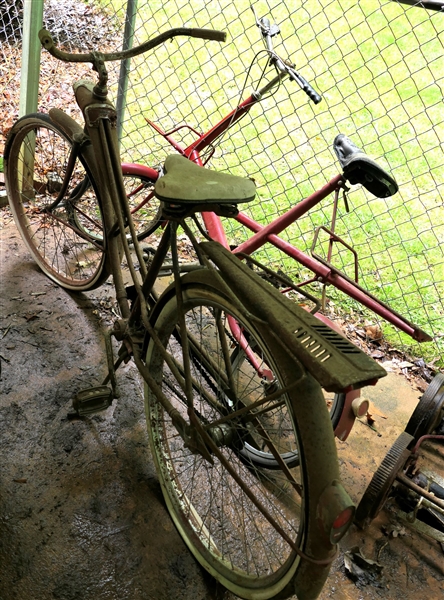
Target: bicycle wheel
145,207
36,159
210,496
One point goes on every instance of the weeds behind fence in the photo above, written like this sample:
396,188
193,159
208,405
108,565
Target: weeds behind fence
378,65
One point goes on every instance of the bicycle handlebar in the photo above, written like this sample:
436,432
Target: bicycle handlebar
206,34
268,31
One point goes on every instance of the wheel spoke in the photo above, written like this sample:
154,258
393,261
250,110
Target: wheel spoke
244,515
60,237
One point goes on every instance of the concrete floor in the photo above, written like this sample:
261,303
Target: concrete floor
81,511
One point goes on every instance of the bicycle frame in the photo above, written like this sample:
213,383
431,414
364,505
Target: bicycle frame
303,354
323,271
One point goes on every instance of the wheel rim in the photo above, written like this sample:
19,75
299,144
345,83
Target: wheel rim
36,167
213,513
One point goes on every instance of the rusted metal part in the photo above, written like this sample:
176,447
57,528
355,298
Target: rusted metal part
244,412
333,238
111,366
419,490
259,505
278,458
98,112
429,410
206,34
426,437
379,487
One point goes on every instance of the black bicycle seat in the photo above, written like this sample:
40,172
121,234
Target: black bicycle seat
360,168
185,182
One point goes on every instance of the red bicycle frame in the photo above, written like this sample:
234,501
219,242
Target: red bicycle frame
323,271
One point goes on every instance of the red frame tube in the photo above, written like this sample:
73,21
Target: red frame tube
269,233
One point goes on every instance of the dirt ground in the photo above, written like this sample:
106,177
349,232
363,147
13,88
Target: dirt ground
81,511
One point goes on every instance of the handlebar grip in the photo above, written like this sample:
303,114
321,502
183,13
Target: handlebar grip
306,87
46,39
312,94
211,34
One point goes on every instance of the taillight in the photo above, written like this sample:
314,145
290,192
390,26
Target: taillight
341,524
335,512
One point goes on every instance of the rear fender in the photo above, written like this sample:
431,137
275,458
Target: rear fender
353,405
333,361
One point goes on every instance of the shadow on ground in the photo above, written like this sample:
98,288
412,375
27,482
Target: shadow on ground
81,511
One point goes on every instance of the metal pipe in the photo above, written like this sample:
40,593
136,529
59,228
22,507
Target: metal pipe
128,37
419,490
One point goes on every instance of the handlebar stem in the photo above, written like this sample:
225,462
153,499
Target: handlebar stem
101,88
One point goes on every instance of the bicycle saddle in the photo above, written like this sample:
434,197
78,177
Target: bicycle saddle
360,168
185,182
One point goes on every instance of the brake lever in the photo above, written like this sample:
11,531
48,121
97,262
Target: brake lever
263,24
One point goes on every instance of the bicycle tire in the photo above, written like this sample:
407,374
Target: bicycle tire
36,158
220,524
139,188
146,219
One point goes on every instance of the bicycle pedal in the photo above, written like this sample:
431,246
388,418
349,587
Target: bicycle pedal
92,400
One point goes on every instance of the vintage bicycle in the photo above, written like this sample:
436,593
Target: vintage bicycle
237,421
56,161
356,168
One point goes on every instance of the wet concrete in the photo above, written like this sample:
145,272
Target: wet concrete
81,511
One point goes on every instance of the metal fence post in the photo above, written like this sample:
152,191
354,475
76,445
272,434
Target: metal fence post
128,35
29,80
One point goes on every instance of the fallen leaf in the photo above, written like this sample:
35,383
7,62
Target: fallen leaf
374,410
361,569
373,332
370,419
405,364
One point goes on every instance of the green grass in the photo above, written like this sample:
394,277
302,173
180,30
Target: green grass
1,164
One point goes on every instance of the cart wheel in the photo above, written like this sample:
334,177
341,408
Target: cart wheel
376,493
428,413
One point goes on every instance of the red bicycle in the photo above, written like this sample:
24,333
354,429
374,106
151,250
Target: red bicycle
60,146
357,168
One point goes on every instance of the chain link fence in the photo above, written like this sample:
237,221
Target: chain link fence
378,65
